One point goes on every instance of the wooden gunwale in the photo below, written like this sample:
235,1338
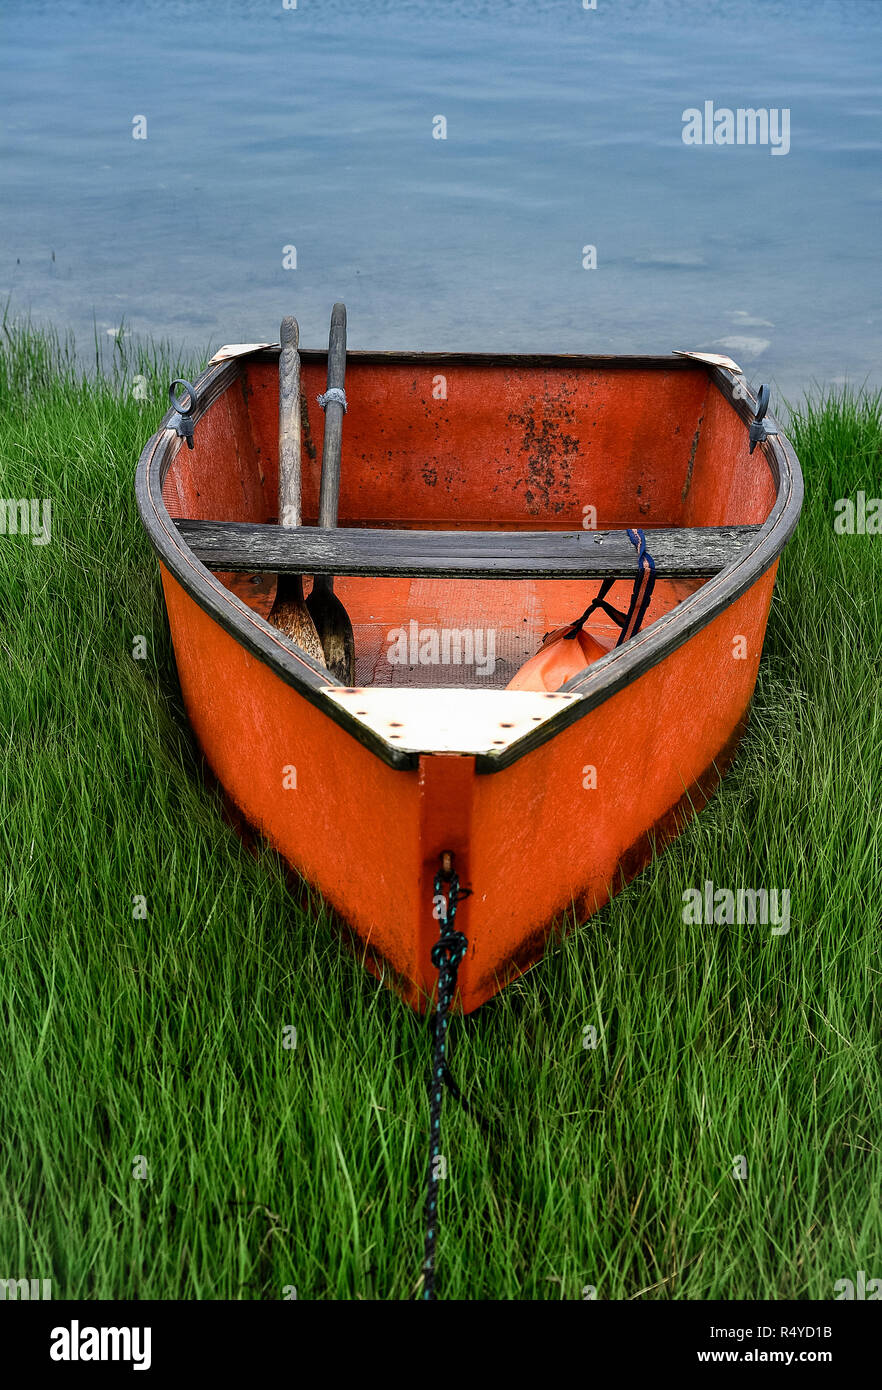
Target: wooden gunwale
611,673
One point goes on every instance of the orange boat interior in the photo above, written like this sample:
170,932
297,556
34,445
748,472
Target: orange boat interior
467,444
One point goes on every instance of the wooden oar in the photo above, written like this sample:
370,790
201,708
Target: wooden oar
327,612
289,613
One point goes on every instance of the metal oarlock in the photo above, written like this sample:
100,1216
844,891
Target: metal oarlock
181,422
758,431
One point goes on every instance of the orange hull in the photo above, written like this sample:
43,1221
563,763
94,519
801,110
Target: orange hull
546,800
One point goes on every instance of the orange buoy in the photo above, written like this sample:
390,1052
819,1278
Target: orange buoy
564,653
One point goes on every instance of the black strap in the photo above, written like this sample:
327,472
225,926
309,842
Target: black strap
628,623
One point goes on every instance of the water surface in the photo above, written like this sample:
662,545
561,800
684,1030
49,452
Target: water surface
312,128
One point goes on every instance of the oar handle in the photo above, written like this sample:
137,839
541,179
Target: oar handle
290,505
329,496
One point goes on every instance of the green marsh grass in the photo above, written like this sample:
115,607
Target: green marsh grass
162,1038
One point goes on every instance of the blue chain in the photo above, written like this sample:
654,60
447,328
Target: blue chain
447,953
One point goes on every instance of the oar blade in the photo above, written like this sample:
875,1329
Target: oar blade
292,618
335,633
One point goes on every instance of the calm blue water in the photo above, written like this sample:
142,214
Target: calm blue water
313,127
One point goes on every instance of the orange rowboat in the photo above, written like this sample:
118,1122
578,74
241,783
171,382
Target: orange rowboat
483,500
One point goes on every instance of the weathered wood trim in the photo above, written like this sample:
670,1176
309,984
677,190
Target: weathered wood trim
678,553
608,675
406,357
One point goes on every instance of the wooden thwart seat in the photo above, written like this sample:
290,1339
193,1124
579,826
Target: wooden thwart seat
679,552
